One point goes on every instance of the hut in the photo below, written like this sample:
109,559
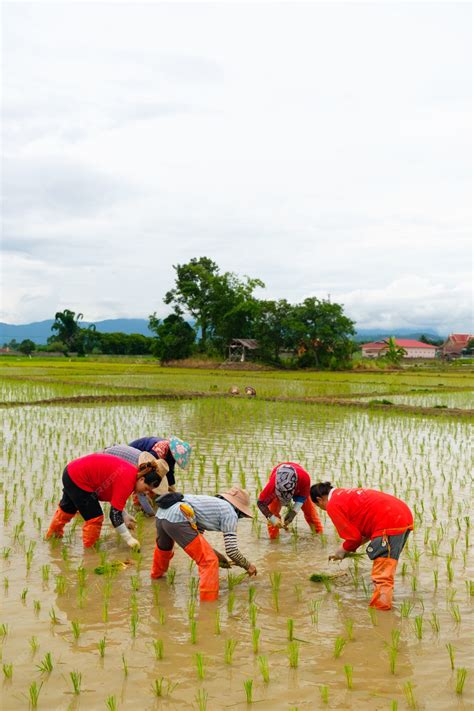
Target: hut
242,349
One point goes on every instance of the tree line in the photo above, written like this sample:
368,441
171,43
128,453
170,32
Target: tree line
209,309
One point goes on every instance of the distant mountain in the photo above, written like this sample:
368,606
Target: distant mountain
40,331
366,334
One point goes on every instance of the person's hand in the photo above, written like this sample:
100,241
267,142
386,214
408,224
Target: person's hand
252,570
338,555
129,521
133,543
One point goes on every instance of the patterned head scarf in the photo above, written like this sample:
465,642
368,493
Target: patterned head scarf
181,451
285,483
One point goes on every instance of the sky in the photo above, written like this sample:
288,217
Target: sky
322,147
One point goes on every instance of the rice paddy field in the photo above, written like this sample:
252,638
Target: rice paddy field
71,638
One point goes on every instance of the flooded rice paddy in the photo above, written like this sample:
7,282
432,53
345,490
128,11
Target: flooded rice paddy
72,639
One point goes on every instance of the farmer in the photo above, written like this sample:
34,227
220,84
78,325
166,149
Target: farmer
103,477
173,451
184,521
132,455
288,483
363,515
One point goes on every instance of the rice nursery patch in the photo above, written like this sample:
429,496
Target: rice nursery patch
89,629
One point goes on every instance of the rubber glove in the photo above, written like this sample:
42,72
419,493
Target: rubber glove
127,537
130,521
338,555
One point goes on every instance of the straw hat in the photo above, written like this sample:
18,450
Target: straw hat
239,498
147,462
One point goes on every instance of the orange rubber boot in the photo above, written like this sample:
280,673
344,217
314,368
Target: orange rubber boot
59,520
275,508
208,565
311,516
91,531
161,561
383,574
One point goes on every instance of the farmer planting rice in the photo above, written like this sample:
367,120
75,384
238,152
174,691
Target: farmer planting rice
182,519
103,477
289,485
363,515
132,455
173,450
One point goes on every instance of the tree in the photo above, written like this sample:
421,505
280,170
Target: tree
67,328
175,337
27,346
321,333
272,328
195,283
392,352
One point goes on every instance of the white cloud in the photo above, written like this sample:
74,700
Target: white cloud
323,148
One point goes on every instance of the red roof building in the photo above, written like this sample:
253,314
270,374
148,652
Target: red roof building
456,342
414,349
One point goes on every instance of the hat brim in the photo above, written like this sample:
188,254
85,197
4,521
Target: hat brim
238,505
162,488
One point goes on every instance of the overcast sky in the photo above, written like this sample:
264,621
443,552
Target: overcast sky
323,147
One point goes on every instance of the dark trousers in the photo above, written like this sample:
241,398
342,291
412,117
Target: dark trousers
75,499
387,546
167,534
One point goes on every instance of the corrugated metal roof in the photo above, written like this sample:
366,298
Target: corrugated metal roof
246,342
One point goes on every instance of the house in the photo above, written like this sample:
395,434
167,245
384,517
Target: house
241,348
455,344
414,349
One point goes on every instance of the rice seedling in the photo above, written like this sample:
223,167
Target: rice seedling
456,613
349,625
53,617
293,653
264,669
229,649
217,622
373,615
199,659
7,671
34,644
34,692
314,607
409,695
193,631
394,705
253,614
255,639
46,664
348,671
450,649
201,699
275,581
339,645
36,607
76,679
170,576
111,703
158,648
435,579
157,686
248,686
101,646
76,629
61,585
45,570
406,607
290,626
324,691
124,665
134,623
234,579
418,626
230,602
6,583
23,595
3,630
461,674
252,591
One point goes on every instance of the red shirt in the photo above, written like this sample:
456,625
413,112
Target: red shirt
111,478
362,514
301,491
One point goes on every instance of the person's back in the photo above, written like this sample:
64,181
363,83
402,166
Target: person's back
373,511
211,512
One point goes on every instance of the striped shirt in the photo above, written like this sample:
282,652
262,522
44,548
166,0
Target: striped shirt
212,514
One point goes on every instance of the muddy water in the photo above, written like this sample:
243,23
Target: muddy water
425,461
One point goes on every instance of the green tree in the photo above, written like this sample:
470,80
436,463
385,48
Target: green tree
27,346
392,352
273,328
195,286
321,333
66,325
175,337
233,309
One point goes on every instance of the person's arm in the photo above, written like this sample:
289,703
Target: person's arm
295,509
353,538
267,495
145,504
118,523
232,550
